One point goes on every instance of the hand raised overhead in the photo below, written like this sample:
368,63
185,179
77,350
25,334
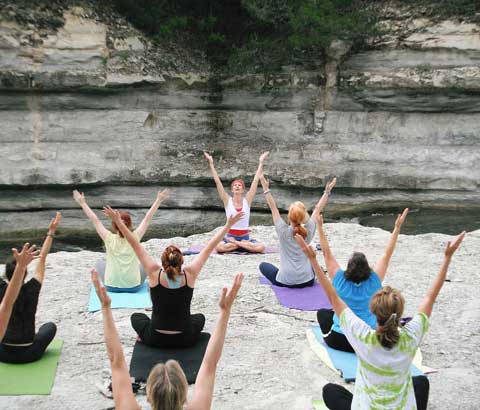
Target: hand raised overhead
100,290
54,223
162,195
111,213
26,255
232,220
79,197
307,250
229,295
453,246
264,182
318,218
330,185
401,218
208,156
263,157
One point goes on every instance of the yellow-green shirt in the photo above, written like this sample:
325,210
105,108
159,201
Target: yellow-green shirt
122,266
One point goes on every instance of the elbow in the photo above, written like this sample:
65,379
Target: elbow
153,268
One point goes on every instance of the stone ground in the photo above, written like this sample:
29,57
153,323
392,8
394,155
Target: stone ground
267,363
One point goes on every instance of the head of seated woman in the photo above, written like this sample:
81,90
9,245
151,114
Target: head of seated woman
172,261
387,305
358,268
10,265
297,215
237,186
126,219
167,386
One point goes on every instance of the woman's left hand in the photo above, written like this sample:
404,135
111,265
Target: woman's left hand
307,250
162,195
111,213
100,290
54,223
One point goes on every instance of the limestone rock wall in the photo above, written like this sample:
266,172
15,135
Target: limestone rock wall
90,103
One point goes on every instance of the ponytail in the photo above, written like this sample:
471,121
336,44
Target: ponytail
297,215
387,305
300,230
172,261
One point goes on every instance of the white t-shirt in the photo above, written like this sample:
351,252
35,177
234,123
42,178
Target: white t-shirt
383,379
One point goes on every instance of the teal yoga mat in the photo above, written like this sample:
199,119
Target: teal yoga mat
137,300
344,362
31,378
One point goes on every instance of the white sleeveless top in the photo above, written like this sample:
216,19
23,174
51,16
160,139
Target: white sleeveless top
230,210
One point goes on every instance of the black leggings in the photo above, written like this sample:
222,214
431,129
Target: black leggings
270,272
32,353
142,325
334,339
337,397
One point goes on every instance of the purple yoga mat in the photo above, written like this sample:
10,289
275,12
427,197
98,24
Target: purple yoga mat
195,249
309,298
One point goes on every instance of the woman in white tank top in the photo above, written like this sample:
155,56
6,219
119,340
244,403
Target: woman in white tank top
238,237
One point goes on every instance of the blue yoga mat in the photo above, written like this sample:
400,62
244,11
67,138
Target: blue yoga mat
346,362
137,300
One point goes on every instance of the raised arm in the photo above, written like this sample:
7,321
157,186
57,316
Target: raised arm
337,303
121,384
426,305
221,190
79,198
47,244
253,188
142,228
150,265
22,258
382,264
330,261
203,393
322,202
196,265
269,198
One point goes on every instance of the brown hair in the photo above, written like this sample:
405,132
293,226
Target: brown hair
387,305
172,261
127,220
167,386
297,214
358,268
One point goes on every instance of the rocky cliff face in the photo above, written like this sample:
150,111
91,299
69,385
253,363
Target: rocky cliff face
90,100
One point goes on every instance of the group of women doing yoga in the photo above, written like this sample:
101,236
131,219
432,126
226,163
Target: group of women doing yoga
365,318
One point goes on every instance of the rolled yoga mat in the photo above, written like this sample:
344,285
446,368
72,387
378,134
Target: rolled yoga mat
31,378
145,357
345,363
308,298
138,300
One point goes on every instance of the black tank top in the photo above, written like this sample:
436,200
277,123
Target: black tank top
171,307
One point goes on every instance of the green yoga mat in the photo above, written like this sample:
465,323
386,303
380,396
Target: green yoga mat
319,405
31,378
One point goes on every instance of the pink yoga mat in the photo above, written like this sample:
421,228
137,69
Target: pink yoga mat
309,298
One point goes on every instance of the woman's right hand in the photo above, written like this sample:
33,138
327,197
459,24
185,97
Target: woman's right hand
100,290
52,228
452,247
79,197
208,157
307,250
232,220
401,218
318,219
26,255
330,185
111,213
229,295
264,182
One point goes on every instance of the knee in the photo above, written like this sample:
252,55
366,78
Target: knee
49,329
264,267
328,392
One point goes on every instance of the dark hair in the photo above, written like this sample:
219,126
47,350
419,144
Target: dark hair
358,268
172,261
387,305
10,265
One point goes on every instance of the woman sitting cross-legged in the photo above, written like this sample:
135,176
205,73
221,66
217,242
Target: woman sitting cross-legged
355,286
171,289
383,379
167,385
295,269
120,269
21,344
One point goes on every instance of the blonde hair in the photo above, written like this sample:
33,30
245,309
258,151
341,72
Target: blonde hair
167,386
297,214
387,305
